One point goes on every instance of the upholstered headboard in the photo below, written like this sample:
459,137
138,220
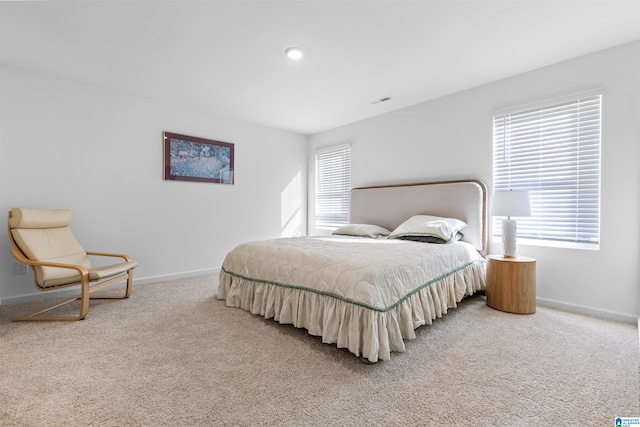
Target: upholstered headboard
389,206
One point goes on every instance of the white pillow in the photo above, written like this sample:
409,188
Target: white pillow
362,230
428,225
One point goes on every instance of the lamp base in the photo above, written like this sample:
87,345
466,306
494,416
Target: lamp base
509,238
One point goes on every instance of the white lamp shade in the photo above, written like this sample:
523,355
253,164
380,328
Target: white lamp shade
511,203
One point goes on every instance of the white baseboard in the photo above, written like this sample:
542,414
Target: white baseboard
70,292
175,276
591,311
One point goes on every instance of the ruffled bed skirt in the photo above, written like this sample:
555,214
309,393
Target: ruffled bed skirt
367,333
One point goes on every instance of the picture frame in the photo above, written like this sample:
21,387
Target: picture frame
189,158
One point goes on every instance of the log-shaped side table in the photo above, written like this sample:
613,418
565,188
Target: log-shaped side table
511,284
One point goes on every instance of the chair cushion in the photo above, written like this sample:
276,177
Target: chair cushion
95,274
51,245
39,218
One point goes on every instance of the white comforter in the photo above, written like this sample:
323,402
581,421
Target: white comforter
403,283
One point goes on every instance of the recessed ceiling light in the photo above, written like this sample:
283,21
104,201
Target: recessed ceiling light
294,52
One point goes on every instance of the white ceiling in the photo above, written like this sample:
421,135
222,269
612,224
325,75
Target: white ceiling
228,56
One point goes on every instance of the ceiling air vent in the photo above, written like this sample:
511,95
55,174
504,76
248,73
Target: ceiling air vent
379,100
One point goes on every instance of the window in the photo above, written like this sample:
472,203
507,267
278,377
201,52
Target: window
333,183
554,153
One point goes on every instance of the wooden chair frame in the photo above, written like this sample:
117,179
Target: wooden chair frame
85,284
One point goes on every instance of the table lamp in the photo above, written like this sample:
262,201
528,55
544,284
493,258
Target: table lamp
510,203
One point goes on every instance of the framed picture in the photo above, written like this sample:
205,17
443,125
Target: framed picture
187,158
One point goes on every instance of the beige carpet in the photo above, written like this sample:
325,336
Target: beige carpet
173,355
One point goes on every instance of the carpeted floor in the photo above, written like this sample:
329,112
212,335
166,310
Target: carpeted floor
173,355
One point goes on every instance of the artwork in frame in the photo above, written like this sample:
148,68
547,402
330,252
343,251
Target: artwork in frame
188,158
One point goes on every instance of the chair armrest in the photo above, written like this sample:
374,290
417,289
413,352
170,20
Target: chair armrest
124,257
24,260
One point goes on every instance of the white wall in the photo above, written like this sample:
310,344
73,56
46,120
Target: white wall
99,152
451,138
64,144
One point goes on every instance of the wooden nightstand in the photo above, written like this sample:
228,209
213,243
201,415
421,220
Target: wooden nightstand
511,284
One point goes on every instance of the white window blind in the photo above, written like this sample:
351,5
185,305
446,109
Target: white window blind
554,153
333,184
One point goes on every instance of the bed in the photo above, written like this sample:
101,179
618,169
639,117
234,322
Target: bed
410,253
